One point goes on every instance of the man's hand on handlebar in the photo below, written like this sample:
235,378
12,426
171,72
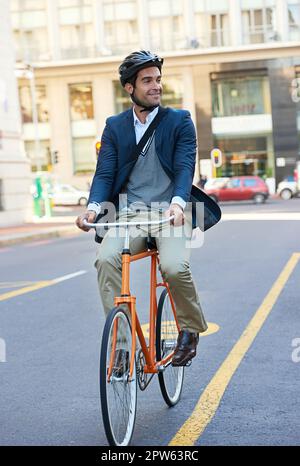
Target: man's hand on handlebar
89,216
176,210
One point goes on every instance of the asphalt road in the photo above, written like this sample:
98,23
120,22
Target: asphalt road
51,337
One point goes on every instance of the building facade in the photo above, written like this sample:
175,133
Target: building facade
235,64
15,173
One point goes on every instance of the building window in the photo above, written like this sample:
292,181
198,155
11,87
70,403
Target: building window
76,28
83,127
294,20
41,160
241,96
81,102
41,103
259,23
29,23
120,26
84,155
166,25
211,23
172,94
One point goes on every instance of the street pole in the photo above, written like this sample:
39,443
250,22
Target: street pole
37,145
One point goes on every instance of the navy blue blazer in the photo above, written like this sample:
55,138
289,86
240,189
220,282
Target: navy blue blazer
176,145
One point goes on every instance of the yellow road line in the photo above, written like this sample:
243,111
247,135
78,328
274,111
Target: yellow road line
39,285
27,289
213,393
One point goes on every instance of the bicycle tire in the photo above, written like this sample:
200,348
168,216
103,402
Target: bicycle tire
118,396
171,379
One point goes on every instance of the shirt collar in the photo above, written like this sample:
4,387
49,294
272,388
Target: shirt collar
149,117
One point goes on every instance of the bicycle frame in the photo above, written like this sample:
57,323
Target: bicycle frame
150,353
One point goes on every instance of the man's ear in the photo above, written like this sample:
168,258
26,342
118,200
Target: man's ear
128,88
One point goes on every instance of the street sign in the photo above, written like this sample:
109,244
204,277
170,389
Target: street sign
216,157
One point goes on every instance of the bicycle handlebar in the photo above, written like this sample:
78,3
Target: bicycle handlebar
126,224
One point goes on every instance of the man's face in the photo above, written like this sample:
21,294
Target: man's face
148,87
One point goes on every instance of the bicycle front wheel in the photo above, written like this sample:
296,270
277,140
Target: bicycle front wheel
171,379
118,394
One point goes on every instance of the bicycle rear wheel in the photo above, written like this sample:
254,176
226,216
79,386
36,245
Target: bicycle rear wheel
171,379
118,394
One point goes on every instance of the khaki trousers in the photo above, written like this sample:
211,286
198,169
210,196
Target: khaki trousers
173,244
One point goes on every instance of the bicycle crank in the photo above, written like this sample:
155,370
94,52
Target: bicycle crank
142,378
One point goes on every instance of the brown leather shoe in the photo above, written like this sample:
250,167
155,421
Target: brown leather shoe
186,348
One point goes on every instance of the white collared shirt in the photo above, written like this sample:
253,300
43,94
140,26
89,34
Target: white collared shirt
139,127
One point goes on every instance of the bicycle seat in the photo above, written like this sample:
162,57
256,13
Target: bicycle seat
151,243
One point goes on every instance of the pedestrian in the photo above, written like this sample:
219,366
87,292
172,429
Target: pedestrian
163,173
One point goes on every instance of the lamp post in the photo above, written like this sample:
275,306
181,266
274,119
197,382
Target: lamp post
27,71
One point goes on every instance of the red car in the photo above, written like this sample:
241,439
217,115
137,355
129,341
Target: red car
239,188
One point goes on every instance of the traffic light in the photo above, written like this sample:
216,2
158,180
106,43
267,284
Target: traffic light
216,157
55,156
98,147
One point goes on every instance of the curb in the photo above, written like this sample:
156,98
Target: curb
55,232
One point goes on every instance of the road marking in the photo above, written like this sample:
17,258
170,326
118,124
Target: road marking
38,243
262,216
210,399
16,284
39,285
212,328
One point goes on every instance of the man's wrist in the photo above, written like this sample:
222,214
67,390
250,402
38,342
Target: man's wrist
94,207
174,204
178,201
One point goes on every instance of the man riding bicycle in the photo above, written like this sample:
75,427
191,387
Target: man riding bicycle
162,174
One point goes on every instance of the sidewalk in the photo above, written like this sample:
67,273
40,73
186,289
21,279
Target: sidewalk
41,228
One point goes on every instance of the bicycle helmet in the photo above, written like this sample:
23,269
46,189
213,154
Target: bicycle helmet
135,62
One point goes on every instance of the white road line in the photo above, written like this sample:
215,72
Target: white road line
39,285
67,277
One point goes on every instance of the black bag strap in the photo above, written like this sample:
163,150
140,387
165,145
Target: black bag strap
148,134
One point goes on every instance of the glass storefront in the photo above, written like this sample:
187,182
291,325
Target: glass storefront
241,96
246,156
172,94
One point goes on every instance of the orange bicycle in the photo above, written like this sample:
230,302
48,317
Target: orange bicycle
122,367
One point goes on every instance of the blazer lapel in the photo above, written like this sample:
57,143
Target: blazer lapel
129,132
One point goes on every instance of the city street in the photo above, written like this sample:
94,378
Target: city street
243,386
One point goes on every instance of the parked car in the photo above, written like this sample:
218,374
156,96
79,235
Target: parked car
66,194
287,189
239,188
215,182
